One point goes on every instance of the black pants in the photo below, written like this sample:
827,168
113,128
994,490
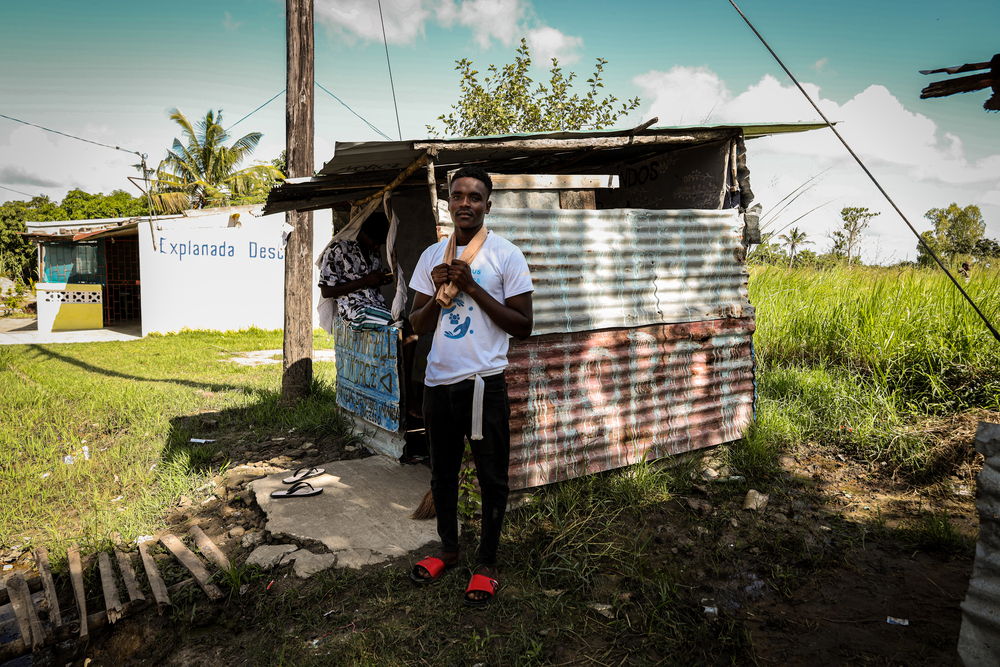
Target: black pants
448,418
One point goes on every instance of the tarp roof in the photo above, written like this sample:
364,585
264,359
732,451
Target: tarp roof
358,169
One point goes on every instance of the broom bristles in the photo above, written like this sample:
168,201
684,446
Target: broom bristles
425,510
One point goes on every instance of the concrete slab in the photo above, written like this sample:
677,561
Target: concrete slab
270,555
272,357
25,332
363,514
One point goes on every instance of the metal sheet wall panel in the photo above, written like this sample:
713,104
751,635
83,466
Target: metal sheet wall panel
587,402
618,268
979,639
368,373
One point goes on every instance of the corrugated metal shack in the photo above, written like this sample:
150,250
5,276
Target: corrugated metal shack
636,240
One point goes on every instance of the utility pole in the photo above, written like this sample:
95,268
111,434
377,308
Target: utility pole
296,378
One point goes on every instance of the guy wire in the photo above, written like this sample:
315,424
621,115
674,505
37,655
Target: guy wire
874,180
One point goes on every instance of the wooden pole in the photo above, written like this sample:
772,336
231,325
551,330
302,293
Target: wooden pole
296,378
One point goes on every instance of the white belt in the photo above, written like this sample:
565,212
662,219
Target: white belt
478,391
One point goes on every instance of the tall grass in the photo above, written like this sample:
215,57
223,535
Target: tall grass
908,330
860,357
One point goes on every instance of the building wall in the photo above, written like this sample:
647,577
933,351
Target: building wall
202,273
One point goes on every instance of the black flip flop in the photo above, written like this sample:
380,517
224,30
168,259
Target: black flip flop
297,490
303,473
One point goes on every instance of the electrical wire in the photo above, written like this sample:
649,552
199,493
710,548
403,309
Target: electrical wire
363,119
4,187
71,136
256,110
920,239
392,86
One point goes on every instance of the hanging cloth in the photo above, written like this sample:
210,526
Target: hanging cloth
449,291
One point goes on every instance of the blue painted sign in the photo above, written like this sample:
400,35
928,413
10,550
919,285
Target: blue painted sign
368,373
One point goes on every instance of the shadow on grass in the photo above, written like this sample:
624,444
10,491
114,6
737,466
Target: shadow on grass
43,351
262,430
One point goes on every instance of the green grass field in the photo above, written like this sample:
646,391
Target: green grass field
126,402
866,358
610,567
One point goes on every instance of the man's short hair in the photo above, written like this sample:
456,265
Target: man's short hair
477,173
376,227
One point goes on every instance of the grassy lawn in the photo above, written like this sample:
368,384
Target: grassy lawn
869,383
129,404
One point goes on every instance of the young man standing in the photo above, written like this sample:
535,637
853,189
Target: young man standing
473,291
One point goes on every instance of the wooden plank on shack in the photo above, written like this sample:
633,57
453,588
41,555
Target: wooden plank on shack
135,593
153,575
24,611
112,601
49,586
194,566
553,181
76,578
209,549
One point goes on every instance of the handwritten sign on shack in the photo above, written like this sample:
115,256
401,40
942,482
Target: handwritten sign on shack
368,373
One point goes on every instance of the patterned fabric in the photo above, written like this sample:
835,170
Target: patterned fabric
343,263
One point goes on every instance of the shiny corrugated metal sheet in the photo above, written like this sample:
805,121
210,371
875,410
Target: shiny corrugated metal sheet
979,640
586,402
614,268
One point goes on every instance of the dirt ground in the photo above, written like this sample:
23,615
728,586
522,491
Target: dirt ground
810,579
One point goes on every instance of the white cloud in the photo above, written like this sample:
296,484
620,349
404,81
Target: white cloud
821,64
404,19
920,165
548,43
501,21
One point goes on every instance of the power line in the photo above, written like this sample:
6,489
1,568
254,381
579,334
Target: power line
920,239
363,119
392,86
72,136
18,191
256,110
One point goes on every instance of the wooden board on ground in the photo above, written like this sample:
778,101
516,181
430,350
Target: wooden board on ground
153,575
76,577
135,593
49,586
209,549
112,603
24,610
194,566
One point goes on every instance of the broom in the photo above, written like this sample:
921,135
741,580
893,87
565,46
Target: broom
425,510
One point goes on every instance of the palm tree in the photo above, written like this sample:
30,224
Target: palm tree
793,239
202,171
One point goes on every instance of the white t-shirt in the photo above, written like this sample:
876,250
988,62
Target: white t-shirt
467,342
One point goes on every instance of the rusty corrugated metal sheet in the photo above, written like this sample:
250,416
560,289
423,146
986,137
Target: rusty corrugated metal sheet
586,402
979,640
614,268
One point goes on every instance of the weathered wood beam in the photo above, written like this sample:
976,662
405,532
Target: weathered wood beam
135,593
209,549
112,601
49,586
24,610
153,575
193,565
76,578
547,145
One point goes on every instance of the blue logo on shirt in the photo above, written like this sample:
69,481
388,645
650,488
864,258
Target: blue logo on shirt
455,319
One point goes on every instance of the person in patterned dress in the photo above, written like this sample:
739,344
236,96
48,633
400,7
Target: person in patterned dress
353,272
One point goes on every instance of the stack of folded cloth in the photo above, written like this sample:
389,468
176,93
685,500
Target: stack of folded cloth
372,318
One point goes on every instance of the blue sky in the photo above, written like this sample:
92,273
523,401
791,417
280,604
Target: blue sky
110,71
